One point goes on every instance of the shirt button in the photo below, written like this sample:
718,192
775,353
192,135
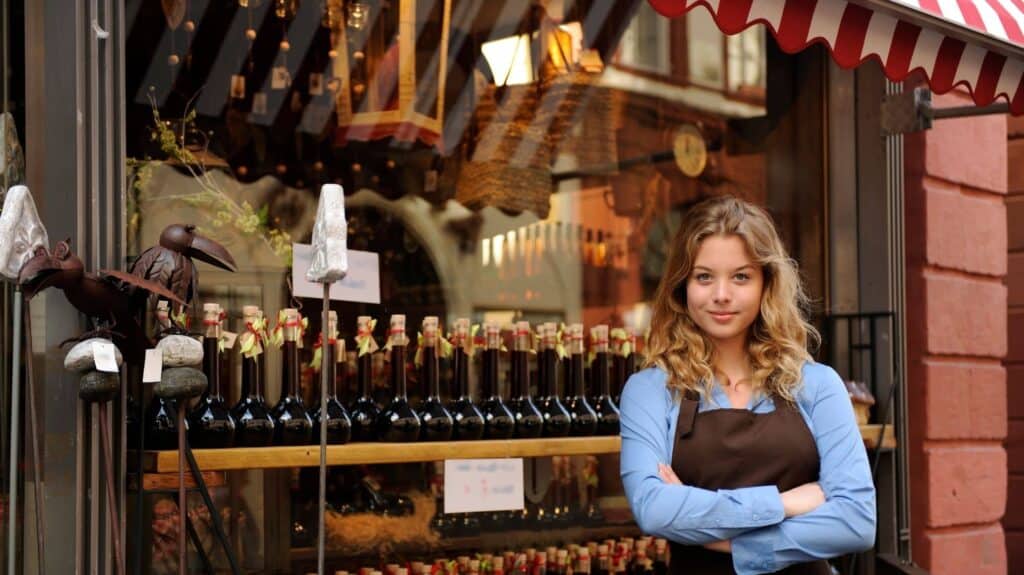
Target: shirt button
756,517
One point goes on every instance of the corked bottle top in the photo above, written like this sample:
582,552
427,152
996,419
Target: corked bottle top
461,334
522,336
492,335
163,314
396,333
599,338
576,338
211,320
429,330
251,312
292,324
548,335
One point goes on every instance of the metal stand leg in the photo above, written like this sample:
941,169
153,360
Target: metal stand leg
182,496
140,496
198,544
12,520
218,526
34,428
108,470
322,499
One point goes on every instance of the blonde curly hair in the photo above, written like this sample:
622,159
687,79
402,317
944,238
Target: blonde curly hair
778,340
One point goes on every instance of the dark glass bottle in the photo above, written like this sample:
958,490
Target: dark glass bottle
556,417
253,425
161,418
210,423
436,422
292,423
623,359
398,421
584,420
498,420
339,426
604,405
529,421
469,422
364,411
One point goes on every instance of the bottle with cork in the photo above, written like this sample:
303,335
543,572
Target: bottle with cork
339,426
254,425
436,422
398,421
292,423
210,422
364,411
468,421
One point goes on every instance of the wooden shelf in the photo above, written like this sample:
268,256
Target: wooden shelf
239,458
365,453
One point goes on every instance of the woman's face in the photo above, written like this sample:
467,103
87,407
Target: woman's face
723,293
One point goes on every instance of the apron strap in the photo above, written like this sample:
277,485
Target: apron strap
688,407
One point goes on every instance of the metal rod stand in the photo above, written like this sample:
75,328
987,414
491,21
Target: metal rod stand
182,494
108,470
12,518
321,541
218,525
37,464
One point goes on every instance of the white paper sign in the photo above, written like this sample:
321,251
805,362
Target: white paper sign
153,368
228,337
472,485
362,283
104,356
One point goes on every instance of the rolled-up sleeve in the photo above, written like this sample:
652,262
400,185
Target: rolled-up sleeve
845,523
679,513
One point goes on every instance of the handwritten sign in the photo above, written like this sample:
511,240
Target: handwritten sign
472,485
362,283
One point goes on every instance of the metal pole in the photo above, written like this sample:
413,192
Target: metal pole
321,542
12,532
37,464
182,509
108,470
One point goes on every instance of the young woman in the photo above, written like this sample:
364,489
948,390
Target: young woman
736,446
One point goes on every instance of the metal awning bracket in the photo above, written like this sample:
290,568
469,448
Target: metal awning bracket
912,111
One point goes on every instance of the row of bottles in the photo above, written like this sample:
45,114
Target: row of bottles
626,556
251,423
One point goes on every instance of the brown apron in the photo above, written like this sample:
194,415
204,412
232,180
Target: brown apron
734,448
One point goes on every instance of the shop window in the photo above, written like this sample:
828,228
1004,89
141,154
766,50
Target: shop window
645,44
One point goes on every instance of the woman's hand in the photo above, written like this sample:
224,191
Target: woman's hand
720,546
667,475
803,499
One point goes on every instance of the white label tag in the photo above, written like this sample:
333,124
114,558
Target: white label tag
238,87
259,103
228,337
104,356
430,181
153,367
362,283
279,78
472,485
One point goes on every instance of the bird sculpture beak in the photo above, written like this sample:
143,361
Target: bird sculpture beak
206,250
43,271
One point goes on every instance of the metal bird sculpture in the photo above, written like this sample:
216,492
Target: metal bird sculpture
111,298
170,262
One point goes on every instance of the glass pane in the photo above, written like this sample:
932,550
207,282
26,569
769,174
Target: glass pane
704,44
645,43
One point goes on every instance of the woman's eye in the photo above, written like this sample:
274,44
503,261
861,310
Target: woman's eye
741,277
703,277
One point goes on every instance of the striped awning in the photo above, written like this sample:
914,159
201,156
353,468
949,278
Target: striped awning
977,44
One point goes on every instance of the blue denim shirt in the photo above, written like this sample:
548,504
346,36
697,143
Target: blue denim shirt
752,518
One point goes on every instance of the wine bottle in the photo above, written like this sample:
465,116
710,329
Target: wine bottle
161,418
254,427
469,422
498,420
292,423
557,421
210,423
339,426
584,420
398,422
529,421
364,410
436,421
604,405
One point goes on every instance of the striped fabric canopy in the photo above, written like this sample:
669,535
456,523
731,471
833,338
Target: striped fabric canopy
978,44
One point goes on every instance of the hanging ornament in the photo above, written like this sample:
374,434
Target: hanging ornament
286,9
173,60
250,33
174,12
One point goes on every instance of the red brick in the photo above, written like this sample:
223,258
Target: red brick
1014,127
964,232
965,400
970,151
1015,333
1015,222
1015,279
1014,518
974,551
966,484
1014,551
1015,390
964,316
1015,166
1015,447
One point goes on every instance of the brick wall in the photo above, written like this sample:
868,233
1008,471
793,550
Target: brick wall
1013,521
956,238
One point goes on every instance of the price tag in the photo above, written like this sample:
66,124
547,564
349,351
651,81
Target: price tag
154,366
280,78
228,338
259,103
361,284
104,355
472,485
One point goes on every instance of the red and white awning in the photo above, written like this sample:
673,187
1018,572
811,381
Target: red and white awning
978,44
